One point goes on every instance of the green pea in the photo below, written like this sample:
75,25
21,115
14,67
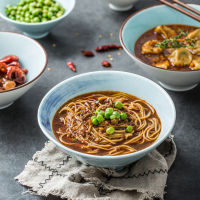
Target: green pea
110,130
117,114
21,3
62,10
36,12
12,12
59,14
44,19
129,129
50,14
93,117
12,17
95,121
21,19
36,19
107,115
33,4
18,17
51,9
57,5
123,116
110,110
113,117
100,118
27,20
47,2
27,14
25,8
100,112
118,105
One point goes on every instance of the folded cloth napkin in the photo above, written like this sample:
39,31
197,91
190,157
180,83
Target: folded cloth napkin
52,172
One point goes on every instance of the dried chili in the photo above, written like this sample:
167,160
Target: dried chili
108,47
71,66
105,63
8,59
87,53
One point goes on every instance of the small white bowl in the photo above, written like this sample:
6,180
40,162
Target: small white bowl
121,5
111,81
146,19
32,56
36,30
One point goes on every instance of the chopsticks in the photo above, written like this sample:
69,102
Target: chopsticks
181,9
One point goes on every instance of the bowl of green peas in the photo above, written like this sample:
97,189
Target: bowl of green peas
35,18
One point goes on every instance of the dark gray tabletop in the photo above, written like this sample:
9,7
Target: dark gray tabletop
20,135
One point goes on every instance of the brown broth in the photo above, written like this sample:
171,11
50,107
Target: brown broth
58,124
151,35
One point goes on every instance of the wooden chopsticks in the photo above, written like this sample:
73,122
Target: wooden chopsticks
182,10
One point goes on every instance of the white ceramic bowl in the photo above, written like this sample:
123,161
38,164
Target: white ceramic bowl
32,56
107,80
138,23
36,30
121,5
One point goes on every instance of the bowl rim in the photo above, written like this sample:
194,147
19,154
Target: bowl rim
140,152
40,23
43,69
130,53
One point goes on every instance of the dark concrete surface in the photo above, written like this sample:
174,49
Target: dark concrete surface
20,135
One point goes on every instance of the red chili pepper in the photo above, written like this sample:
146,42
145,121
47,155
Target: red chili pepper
25,71
71,66
108,47
105,63
88,53
9,59
14,63
3,68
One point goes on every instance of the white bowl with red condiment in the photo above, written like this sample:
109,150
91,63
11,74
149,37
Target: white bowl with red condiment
32,57
146,19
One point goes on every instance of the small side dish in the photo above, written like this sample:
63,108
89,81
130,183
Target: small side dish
172,47
106,123
35,11
11,73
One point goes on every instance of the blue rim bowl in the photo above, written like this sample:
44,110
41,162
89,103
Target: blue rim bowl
101,81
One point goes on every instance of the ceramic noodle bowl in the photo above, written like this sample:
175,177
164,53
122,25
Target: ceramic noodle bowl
146,19
132,84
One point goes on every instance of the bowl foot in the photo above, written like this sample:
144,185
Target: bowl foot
177,88
5,106
36,35
117,8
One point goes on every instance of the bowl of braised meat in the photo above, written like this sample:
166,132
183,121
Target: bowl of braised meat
166,44
22,61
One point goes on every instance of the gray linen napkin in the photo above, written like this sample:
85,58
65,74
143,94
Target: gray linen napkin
52,172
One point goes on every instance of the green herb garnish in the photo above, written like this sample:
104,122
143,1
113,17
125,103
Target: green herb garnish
173,41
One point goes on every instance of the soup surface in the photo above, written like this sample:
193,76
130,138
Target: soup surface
106,123
172,47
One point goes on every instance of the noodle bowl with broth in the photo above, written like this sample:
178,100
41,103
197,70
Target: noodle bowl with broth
106,123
